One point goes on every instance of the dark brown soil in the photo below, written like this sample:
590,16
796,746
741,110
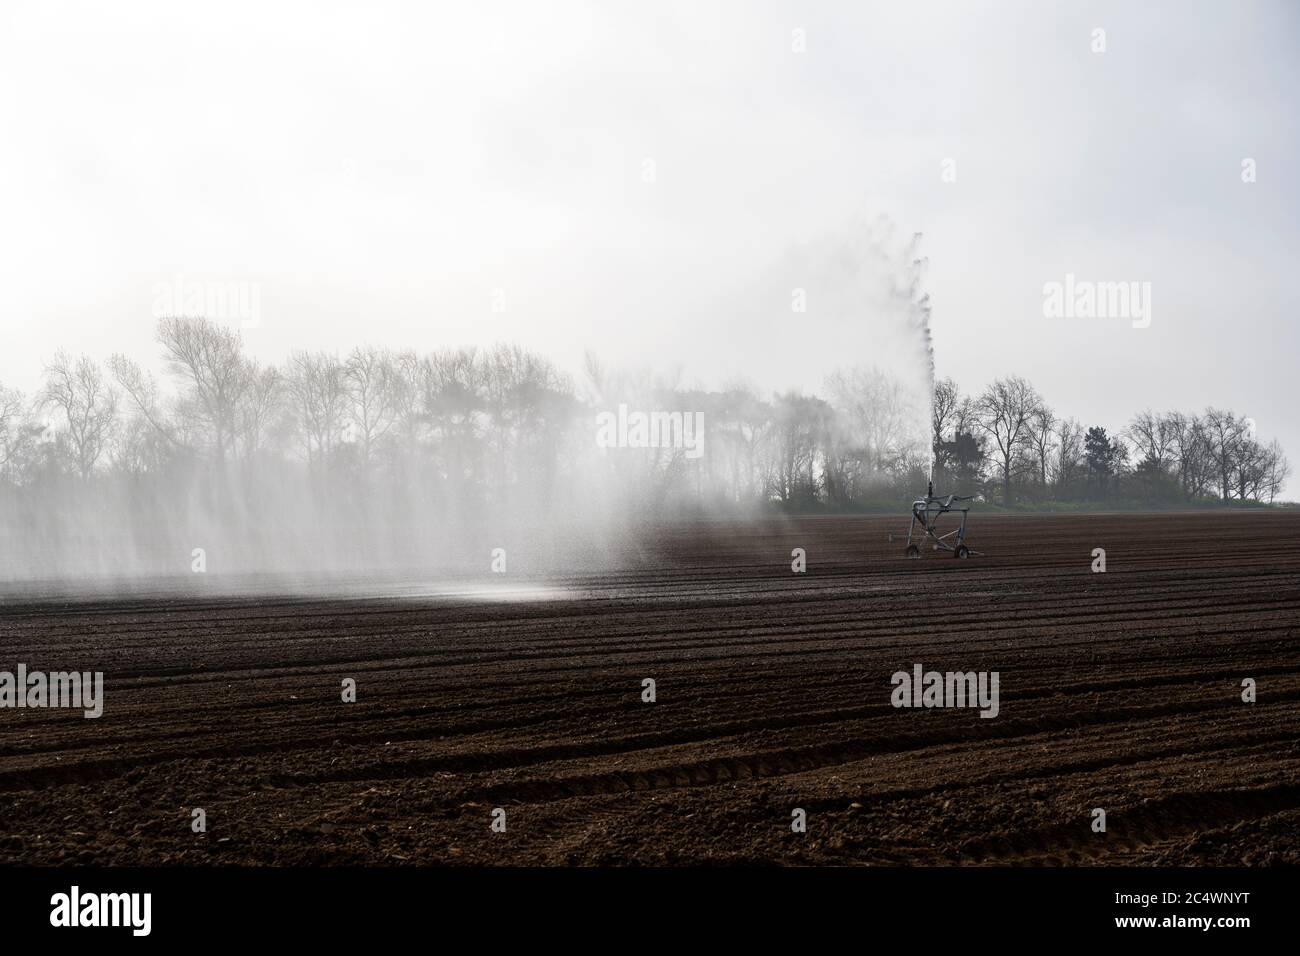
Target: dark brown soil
1119,690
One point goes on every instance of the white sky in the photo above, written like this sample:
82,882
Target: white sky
380,168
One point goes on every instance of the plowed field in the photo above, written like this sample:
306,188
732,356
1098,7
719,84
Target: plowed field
1119,690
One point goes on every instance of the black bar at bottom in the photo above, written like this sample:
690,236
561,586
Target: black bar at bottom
333,905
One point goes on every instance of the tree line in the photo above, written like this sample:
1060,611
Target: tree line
472,427
1008,443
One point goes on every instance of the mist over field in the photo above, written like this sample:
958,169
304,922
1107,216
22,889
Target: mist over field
386,461
474,460
366,313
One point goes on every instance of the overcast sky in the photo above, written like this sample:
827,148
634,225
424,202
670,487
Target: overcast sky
379,171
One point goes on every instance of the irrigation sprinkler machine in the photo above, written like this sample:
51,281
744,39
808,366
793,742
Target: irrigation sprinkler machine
926,513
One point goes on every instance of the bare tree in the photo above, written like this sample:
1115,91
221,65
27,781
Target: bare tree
1277,470
1189,446
527,402
316,388
1069,454
799,428
88,403
878,412
1224,433
15,433
258,407
1005,410
209,358
1040,436
408,389
142,391
454,404
944,409
139,449
1155,437
966,419
741,430
1254,468
370,377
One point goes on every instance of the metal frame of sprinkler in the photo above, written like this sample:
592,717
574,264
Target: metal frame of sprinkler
927,511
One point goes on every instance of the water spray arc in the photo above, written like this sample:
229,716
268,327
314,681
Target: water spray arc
927,511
